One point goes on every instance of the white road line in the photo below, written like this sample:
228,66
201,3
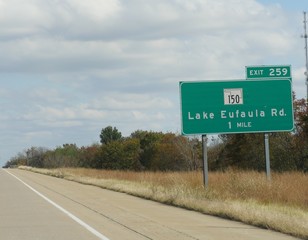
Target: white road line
76,219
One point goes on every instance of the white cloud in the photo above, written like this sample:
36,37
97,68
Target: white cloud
124,101
148,116
24,19
69,116
96,10
162,39
37,134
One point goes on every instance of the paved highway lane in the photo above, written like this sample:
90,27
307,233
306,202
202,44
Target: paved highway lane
26,215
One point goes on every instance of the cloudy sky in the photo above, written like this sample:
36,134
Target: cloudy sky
69,68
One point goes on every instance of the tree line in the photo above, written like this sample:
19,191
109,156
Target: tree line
142,150
157,151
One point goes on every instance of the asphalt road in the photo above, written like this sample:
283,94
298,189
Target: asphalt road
35,206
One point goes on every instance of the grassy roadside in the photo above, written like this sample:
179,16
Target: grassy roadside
281,205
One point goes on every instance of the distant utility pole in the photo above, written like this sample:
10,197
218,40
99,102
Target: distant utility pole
305,37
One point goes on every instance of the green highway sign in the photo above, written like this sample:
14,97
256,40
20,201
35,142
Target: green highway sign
240,106
278,72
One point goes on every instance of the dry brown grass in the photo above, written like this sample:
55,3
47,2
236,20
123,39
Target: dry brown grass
288,189
281,204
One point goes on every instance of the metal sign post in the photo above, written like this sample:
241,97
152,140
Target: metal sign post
305,36
267,156
205,162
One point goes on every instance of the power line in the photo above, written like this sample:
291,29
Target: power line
306,49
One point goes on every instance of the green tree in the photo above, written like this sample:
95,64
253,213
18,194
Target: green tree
88,156
301,134
301,117
18,160
109,134
121,155
282,154
167,156
35,156
244,151
50,159
148,141
190,150
66,156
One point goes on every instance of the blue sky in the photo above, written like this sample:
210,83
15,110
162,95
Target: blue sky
295,5
70,68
